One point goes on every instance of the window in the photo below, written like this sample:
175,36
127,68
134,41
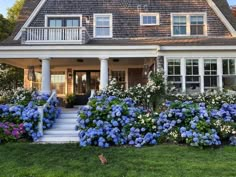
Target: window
196,25
103,25
55,22
210,71
189,24
63,22
229,73
149,19
58,80
174,75
120,77
192,76
180,25
228,66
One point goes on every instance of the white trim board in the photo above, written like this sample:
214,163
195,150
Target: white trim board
222,17
29,20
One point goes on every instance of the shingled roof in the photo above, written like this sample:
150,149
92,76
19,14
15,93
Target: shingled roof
223,5
225,9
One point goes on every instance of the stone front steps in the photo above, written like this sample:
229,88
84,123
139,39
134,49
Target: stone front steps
63,130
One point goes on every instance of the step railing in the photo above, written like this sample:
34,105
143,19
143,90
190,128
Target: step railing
42,108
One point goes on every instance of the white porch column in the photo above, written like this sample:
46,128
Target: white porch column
183,73
46,76
220,73
103,72
201,73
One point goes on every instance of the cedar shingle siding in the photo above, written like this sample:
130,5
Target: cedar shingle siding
126,19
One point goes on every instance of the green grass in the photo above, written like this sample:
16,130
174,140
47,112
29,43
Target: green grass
159,161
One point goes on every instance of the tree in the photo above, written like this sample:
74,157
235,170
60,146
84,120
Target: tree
5,28
14,11
10,77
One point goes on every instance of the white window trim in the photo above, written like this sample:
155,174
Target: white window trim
157,15
63,16
188,23
111,25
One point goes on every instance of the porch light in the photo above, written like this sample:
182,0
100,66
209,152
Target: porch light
116,60
80,60
87,19
31,73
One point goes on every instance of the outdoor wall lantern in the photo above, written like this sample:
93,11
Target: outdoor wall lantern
31,73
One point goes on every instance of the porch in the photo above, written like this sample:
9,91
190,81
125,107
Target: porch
79,76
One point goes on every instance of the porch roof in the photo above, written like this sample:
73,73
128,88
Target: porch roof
187,41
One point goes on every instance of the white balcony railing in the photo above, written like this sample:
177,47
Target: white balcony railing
49,35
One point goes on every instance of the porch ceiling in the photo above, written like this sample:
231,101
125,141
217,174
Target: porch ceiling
71,62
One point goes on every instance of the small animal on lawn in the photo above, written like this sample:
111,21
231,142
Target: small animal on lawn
102,159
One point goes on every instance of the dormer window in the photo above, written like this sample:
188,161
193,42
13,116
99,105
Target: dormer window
191,24
149,19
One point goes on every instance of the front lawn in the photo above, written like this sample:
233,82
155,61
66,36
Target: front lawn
32,160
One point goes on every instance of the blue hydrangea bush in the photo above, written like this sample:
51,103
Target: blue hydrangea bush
28,115
109,120
196,125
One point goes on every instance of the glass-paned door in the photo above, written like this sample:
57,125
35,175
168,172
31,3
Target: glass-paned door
55,31
72,30
64,28
84,82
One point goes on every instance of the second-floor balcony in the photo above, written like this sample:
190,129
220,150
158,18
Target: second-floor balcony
55,35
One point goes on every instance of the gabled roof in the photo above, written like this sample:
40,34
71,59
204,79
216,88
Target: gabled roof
31,5
226,10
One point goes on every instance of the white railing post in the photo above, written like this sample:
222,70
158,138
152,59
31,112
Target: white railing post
40,123
41,111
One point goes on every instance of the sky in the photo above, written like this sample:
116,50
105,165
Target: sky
4,4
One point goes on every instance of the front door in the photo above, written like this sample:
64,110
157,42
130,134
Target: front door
84,82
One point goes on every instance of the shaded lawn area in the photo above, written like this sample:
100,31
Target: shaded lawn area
32,160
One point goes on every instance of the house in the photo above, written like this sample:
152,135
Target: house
75,46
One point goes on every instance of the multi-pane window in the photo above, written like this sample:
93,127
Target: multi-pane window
197,25
229,66
179,25
192,75
64,22
119,76
188,24
210,73
229,73
148,19
174,74
102,25
58,80
54,22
